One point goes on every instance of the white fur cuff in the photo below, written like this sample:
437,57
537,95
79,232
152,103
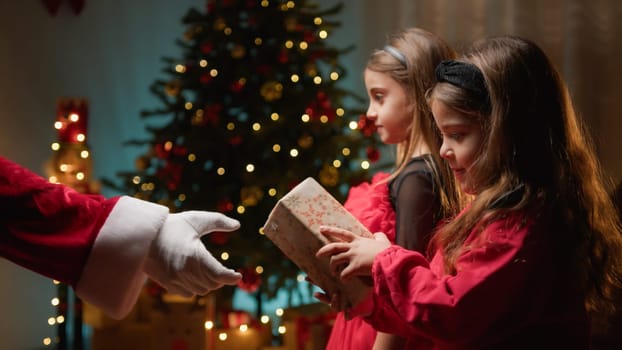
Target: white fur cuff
113,274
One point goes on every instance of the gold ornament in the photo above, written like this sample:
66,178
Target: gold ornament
305,141
271,91
142,163
172,88
220,24
290,23
189,34
250,195
197,118
329,175
311,69
238,51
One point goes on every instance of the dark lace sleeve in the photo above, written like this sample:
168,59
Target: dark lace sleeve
416,204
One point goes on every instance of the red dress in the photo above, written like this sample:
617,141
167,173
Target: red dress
406,210
513,289
370,203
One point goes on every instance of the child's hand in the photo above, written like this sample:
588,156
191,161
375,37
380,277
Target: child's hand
332,301
354,253
325,298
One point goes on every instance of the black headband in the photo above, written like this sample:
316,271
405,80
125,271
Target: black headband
466,76
396,54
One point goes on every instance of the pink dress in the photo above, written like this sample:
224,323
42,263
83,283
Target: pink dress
370,203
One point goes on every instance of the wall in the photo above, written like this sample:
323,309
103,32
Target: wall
110,54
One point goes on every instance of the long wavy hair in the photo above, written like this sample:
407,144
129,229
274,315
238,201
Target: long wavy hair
534,138
423,51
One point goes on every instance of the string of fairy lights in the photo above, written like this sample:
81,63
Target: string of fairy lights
70,165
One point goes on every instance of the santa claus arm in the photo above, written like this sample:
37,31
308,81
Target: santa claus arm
103,247
97,245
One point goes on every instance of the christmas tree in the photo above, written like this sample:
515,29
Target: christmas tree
252,107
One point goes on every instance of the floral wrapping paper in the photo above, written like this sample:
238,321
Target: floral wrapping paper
293,226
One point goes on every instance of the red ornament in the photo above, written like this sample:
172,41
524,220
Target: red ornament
250,281
309,36
264,69
317,54
236,140
373,154
283,56
366,125
209,7
237,85
218,238
322,106
212,114
252,20
224,206
165,150
171,173
235,318
207,47
205,78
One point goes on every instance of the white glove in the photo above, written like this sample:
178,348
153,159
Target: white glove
178,260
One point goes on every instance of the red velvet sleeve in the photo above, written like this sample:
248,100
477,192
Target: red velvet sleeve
45,227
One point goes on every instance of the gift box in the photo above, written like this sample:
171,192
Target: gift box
235,318
253,337
179,325
293,226
307,327
140,313
130,336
